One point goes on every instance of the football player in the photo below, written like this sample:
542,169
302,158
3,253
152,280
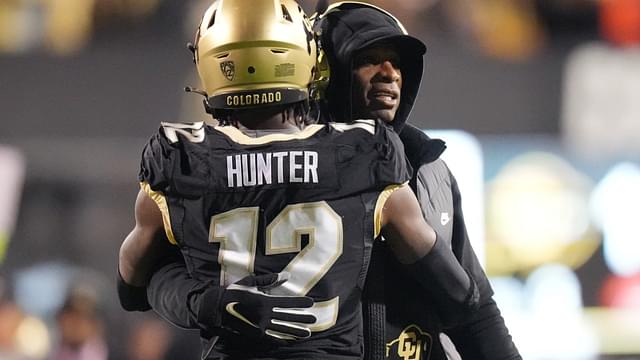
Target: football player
275,218
376,64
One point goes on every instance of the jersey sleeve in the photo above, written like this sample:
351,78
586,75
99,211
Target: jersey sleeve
175,160
156,163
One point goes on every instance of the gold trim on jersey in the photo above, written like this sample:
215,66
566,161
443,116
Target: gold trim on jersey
241,138
161,201
4,244
382,199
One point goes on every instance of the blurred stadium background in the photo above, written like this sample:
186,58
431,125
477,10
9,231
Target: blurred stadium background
539,101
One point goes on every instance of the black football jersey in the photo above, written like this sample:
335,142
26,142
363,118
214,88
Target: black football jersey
306,203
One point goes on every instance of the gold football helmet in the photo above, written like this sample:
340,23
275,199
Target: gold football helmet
252,53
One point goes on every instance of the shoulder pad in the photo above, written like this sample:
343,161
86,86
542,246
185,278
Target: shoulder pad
366,125
175,159
192,132
155,167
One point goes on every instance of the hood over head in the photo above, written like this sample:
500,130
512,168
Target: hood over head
352,26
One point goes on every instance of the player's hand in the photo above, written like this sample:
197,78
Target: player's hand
248,309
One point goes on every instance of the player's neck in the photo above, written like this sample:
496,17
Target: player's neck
268,119
273,123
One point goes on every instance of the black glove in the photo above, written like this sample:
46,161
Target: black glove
246,308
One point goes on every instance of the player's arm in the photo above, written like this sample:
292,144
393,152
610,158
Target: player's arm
140,251
244,307
429,260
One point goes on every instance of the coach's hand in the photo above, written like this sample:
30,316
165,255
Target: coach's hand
248,309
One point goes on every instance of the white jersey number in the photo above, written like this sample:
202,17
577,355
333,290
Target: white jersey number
236,231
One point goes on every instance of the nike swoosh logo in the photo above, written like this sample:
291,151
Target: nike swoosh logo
444,218
231,309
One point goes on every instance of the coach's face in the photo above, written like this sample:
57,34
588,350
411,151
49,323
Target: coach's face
377,83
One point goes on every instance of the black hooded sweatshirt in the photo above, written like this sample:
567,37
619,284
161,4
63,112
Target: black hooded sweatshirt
400,320
350,28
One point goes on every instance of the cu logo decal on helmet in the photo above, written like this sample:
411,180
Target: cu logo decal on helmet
228,69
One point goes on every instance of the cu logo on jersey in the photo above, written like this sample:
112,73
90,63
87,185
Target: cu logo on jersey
228,69
412,344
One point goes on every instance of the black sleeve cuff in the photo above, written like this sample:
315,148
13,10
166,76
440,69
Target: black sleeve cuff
210,307
484,335
453,290
132,298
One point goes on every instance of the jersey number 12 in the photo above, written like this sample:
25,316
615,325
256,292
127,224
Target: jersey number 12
237,232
